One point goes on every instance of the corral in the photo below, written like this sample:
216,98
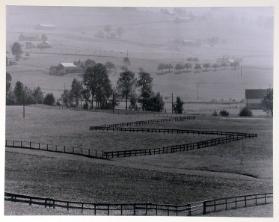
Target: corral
175,178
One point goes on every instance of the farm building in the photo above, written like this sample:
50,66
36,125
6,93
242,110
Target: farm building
254,98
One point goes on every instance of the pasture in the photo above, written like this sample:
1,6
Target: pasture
242,167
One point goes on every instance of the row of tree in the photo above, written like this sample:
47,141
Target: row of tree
22,95
96,87
197,67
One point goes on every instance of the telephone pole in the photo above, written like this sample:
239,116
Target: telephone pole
171,102
23,106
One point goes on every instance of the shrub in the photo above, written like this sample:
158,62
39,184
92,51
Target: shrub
49,99
245,112
215,113
224,113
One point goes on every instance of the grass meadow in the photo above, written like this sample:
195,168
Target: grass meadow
237,168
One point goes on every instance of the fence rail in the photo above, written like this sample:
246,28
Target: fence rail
54,148
175,148
144,122
189,209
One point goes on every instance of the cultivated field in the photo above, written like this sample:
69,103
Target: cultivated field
242,167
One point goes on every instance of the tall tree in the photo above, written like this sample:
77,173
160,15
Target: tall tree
125,85
17,50
66,98
97,82
268,102
76,91
8,81
19,92
178,106
145,84
38,95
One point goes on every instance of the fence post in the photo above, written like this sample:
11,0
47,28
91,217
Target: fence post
168,211
53,202
81,207
204,208
245,204
265,198
190,210
134,209
45,203
67,205
156,209
121,209
95,210
30,144
30,201
108,209
146,209
226,200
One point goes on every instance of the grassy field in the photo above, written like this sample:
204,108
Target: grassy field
238,168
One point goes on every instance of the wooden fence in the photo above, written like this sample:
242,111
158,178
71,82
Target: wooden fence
173,131
174,148
189,209
144,122
54,148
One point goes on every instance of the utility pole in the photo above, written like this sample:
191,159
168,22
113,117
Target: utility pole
171,102
113,102
23,106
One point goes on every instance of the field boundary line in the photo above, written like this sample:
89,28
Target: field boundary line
30,145
188,209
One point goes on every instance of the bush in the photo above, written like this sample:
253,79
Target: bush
224,113
245,112
49,99
215,113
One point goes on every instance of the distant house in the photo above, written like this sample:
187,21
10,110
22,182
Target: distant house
254,98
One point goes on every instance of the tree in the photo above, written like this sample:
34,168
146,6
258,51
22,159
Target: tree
188,66
66,98
38,95
110,66
49,99
98,84
145,84
17,50
85,94
178,68
178,106
197,67
155,103
215,66
125,84
89,63
126,61
206,66
19,92
267,102
133,102
76,91
8,81
161,67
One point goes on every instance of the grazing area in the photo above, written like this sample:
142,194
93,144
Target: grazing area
175,178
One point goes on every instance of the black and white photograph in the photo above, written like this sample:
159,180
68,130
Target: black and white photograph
162,110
